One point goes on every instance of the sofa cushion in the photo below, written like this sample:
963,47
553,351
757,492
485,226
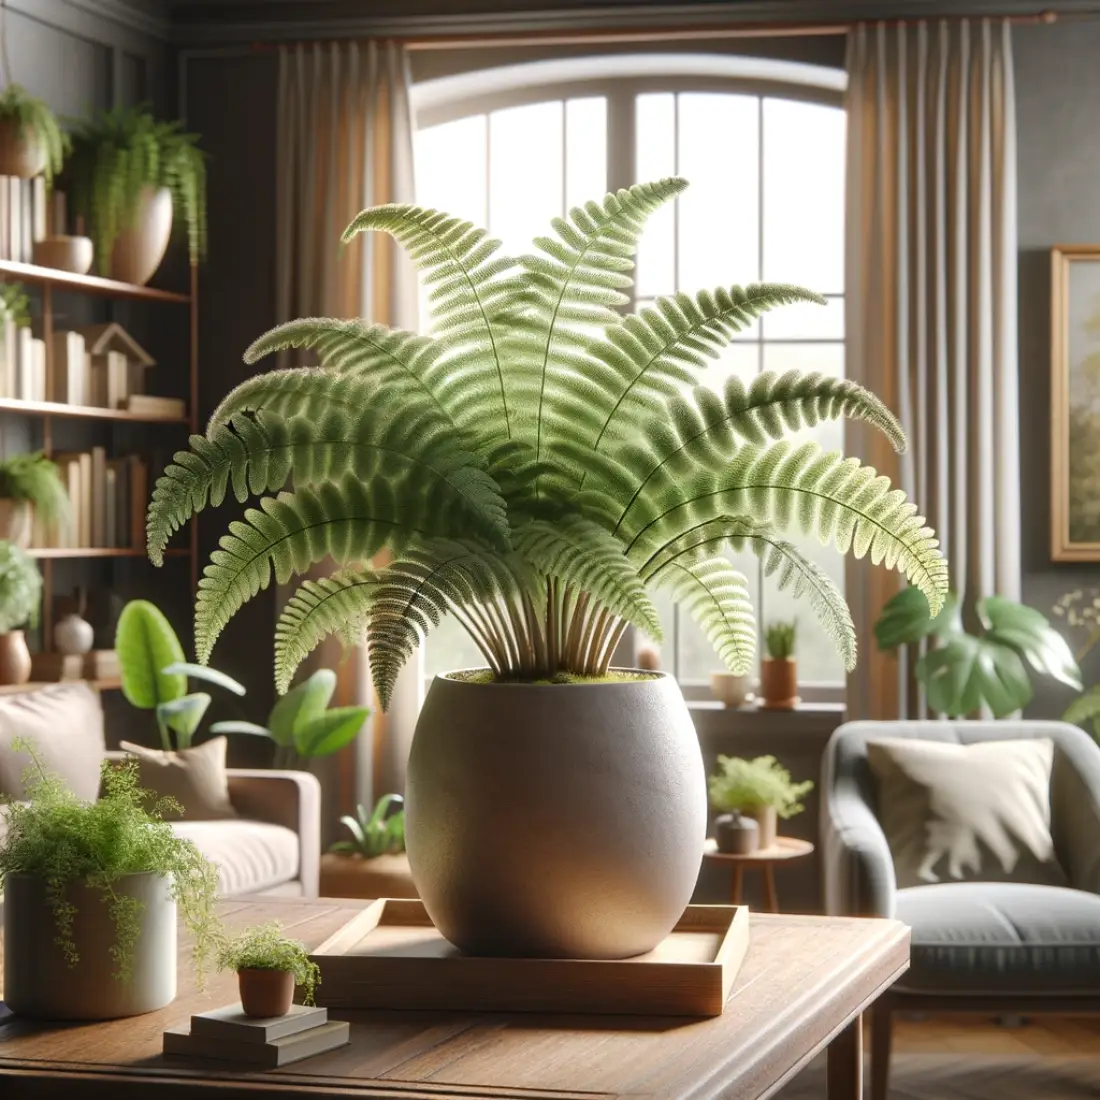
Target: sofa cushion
65,724
1001,937
194,777
250,855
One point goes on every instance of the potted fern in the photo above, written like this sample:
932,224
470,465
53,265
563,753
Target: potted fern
372,863
535,468
20,595
779,672
268,967
760,788
129,176
30,485
31,141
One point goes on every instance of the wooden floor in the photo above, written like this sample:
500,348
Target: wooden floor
1050,1035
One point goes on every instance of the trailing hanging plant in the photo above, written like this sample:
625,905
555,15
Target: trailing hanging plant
748,785
264,947
34,478
536,466
62,840
33,121
115,155
20,588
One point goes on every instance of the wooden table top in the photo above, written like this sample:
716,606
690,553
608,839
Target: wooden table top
785,847
803,980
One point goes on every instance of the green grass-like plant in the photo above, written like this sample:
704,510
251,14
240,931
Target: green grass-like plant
62,840
15,303
374,832
779,640
34,478
536,466
118,152
33,119
264,947
747,785
20,588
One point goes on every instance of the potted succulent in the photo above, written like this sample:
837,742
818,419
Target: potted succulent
534,468
268,967
761,788
92,891
778,671
129,175
30,485
31,141
20,594
372,864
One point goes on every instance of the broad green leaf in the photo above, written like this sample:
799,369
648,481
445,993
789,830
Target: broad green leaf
183,716
330,732
966,672
210,675
1028,632
301,705
906,619
147,645
235,726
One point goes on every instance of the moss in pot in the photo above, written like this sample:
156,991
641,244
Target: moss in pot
269,966
535,468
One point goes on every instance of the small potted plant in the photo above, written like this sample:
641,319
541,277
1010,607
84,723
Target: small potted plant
372,864
778,671
268,967
129,174
20,593
761,788
31,141
30,485
92,891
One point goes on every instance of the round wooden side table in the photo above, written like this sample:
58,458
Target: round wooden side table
764,859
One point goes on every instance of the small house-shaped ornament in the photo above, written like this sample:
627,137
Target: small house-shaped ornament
114,365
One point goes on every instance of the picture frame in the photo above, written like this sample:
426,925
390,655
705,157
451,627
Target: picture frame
1075,403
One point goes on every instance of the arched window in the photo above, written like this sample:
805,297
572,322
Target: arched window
762,144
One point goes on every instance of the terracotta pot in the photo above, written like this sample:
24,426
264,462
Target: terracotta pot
65,254
38,981
15,658
779,682
352,876
266,993
139,249
16,521
21,154
767,821
561,821
736,835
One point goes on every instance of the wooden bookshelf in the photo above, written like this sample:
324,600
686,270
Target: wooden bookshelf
54,553
86,284
86,412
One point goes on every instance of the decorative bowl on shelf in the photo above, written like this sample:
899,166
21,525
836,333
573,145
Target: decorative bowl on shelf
73,254
731,689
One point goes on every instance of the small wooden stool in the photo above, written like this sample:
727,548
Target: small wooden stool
765,859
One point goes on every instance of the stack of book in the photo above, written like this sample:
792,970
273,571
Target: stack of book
228,1035
22,362
27,213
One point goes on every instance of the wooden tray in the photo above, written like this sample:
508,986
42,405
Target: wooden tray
390,955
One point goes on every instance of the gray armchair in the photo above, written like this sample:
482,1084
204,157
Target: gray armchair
996,947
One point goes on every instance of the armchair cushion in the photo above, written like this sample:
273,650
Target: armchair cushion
251,856
1001,937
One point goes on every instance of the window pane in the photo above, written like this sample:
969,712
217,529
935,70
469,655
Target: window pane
450,168
803,195
824,358
585,150
806,321
449,648
719,227
525,173
655,158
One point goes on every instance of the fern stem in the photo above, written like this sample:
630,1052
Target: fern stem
614,636
536,634
551,624
576,627
481,640
512,660
596,634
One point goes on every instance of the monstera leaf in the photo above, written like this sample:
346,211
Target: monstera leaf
965,672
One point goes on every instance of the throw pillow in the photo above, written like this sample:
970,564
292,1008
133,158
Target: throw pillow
195,777
977,812
64,722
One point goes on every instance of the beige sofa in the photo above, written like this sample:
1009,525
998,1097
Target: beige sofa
272,847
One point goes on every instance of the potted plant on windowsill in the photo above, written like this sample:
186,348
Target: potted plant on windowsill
91,897
534,468
268,967
20,594
778,671
761,789
30,485
372,864
31,141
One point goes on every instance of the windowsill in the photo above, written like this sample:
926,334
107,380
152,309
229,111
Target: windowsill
810,722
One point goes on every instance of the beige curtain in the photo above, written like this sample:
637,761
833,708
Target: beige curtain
345,143
931,305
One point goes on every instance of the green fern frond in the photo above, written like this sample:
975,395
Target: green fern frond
582,555
317,609
716,597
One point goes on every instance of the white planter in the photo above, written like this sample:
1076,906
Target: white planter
39,983
140,247
557,820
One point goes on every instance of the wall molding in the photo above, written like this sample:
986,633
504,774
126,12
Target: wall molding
130,23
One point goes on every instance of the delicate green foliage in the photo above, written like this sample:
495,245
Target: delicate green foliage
34,478
15,304
118,153
376,832
20,588
34,121
779,640
748,785
264,947
533,465
58,838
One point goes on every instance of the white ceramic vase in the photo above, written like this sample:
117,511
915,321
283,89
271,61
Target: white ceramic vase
73,635
139,248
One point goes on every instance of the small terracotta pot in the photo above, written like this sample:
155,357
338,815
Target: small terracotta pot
65,254
21,154
767,821
15,658
16,521
139,248
779,682
266,993
736,835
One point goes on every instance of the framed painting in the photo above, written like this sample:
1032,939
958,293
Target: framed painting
1075,403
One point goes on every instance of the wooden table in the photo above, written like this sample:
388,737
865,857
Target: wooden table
802,988
765,859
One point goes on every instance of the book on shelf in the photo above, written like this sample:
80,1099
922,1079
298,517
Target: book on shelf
277,1052
25,216
68,369
232,1025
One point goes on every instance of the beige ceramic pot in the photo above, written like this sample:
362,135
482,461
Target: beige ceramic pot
139,249
16,521
21,154
38,982
779,682
561,821
768,824
730,689
265,993
65,254
15,658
